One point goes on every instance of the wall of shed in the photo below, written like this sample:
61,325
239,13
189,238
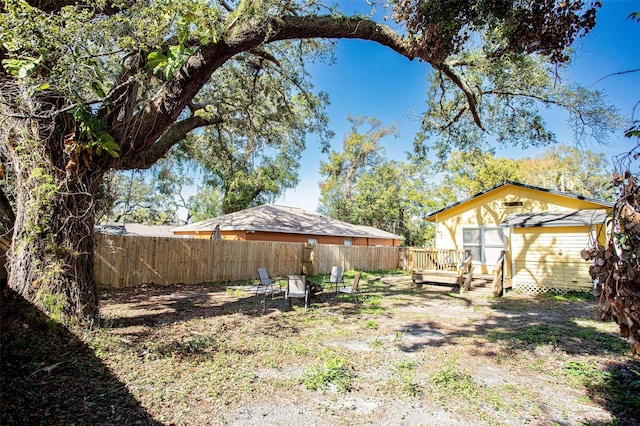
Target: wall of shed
548,259
489,210
290,238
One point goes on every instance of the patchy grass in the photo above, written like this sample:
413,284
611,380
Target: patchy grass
572,296
332,371
403,355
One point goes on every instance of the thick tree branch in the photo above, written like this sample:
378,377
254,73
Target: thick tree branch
161,111
172,136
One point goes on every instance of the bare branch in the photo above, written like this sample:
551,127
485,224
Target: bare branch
614,74
459,81
226,5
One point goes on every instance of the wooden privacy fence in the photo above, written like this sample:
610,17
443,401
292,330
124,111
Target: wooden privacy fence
359,258
127,261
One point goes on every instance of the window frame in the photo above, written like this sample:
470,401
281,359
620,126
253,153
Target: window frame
482,245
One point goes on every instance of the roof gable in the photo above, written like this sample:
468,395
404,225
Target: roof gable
514,191
292,220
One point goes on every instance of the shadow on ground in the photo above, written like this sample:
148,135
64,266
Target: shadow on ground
49,376
531,325
487,328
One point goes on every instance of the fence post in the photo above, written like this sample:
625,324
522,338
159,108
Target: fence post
402,261
307,259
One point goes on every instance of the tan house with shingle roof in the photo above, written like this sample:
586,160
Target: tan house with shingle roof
288,224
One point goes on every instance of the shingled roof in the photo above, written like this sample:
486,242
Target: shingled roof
137,229
291,220
434,215
549,219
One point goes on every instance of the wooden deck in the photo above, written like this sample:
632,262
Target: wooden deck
480,283
438,277
461,276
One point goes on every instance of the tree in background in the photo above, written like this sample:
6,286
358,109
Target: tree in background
393,197
205,204
89,87
136,198
362,186
269,109
570,169
467,173
362,153
377,198
155,196
561,168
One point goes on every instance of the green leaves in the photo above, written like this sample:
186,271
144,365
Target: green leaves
105,141
168,64
633,131
21,67
156,60
93,137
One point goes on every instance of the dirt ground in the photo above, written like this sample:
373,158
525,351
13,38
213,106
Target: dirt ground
403,355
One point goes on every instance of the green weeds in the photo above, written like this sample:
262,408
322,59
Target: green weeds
580,374
454,381
370,325
407,378
530,335
332,371
571,296
376,344
372,305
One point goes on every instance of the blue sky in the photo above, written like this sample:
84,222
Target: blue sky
370,80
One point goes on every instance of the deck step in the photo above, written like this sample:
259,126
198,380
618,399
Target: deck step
481,286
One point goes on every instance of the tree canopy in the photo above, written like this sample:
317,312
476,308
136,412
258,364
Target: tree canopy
97,85
561,167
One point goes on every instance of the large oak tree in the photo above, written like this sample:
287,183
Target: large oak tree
99,85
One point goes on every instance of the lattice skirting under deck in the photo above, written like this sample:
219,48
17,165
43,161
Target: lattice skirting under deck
532,287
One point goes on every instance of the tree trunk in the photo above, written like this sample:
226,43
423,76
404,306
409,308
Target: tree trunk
50,262
51,259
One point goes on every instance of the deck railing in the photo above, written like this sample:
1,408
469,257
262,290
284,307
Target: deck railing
498,276
435,259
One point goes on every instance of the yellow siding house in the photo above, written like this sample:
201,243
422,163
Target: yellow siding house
541,232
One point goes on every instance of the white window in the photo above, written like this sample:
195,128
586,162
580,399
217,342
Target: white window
485,244
312,241
348,242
